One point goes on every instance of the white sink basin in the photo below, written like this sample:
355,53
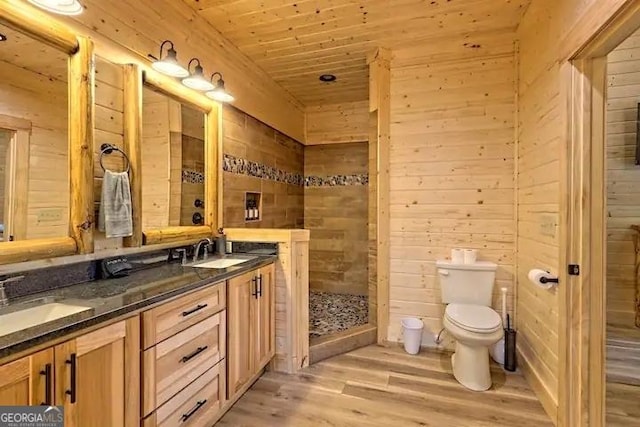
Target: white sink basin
222,263
23,319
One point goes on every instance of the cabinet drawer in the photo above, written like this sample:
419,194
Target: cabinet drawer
195,406
168,319
174,363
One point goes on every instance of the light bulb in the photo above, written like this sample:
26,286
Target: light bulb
220,95
198,82
170,68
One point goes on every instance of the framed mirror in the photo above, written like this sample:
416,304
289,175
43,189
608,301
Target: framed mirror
178,160
45,140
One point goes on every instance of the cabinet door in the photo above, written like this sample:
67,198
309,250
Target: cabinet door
264,318
240,363
97,377
28,381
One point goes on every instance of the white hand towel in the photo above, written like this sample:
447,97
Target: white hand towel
115,207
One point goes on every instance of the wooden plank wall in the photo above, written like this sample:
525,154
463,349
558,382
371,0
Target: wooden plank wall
337,219
623,177
548,32
141,26
336,123
42,99
155,160
109,128
245,137
5,141
452,163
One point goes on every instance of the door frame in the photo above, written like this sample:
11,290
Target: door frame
17,172
583,303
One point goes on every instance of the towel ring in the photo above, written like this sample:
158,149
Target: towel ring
108,149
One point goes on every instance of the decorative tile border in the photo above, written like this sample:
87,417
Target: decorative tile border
191,176
336,180
258,170
241,166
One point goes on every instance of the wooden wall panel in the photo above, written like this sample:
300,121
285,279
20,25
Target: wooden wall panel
336,123
5,141
247,138
109,128
623,176
156,156
337,219
452,166
126,32
539,200
549,33
42,100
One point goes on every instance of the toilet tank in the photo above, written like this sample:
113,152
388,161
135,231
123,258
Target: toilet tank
467,283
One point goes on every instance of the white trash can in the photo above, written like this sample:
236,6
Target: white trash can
412,333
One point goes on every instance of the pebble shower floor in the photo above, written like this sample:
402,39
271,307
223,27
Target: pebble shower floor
330,313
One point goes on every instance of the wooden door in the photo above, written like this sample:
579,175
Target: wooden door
28,381
263,318
97,377
241,291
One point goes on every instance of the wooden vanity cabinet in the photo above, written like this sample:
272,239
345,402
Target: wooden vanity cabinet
183,362
28,381
251,325
94,376
97,376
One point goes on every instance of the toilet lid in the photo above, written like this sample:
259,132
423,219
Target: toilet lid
473,317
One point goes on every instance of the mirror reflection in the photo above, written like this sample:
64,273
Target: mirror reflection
172,162
33,139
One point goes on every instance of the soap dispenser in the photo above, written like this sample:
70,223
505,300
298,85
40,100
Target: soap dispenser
221,242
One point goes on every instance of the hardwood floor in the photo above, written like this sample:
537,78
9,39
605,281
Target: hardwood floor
623,377
623,405
377,386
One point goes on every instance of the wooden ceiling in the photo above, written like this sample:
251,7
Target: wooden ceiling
297,40
32,55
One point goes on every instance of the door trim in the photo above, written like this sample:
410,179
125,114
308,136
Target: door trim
583,300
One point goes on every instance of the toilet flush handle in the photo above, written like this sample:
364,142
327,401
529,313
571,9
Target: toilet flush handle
443,272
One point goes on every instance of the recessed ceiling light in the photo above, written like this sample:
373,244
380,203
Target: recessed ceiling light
3,38
328,78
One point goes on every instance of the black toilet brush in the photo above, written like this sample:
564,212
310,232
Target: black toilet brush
509,347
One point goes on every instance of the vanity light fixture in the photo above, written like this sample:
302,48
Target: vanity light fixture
169,64
3,38
219,93
61,7
197,80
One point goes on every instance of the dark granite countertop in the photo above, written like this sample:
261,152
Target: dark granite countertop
110,298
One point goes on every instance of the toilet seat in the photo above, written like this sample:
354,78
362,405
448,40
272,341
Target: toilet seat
474,318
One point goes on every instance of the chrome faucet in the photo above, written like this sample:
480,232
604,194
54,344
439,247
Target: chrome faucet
199,245
4,301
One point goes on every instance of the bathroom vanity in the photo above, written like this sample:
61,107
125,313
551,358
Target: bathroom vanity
168,345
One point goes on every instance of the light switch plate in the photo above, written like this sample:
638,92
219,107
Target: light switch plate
50,215
548,225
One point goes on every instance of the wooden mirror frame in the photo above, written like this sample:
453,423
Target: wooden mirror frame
135,80
34,23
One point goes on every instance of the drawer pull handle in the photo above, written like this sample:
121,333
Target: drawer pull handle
72,391
194,309
47,384
260,285
199,405
254,292
188,357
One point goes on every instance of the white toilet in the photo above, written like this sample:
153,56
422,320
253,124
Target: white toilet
469,318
